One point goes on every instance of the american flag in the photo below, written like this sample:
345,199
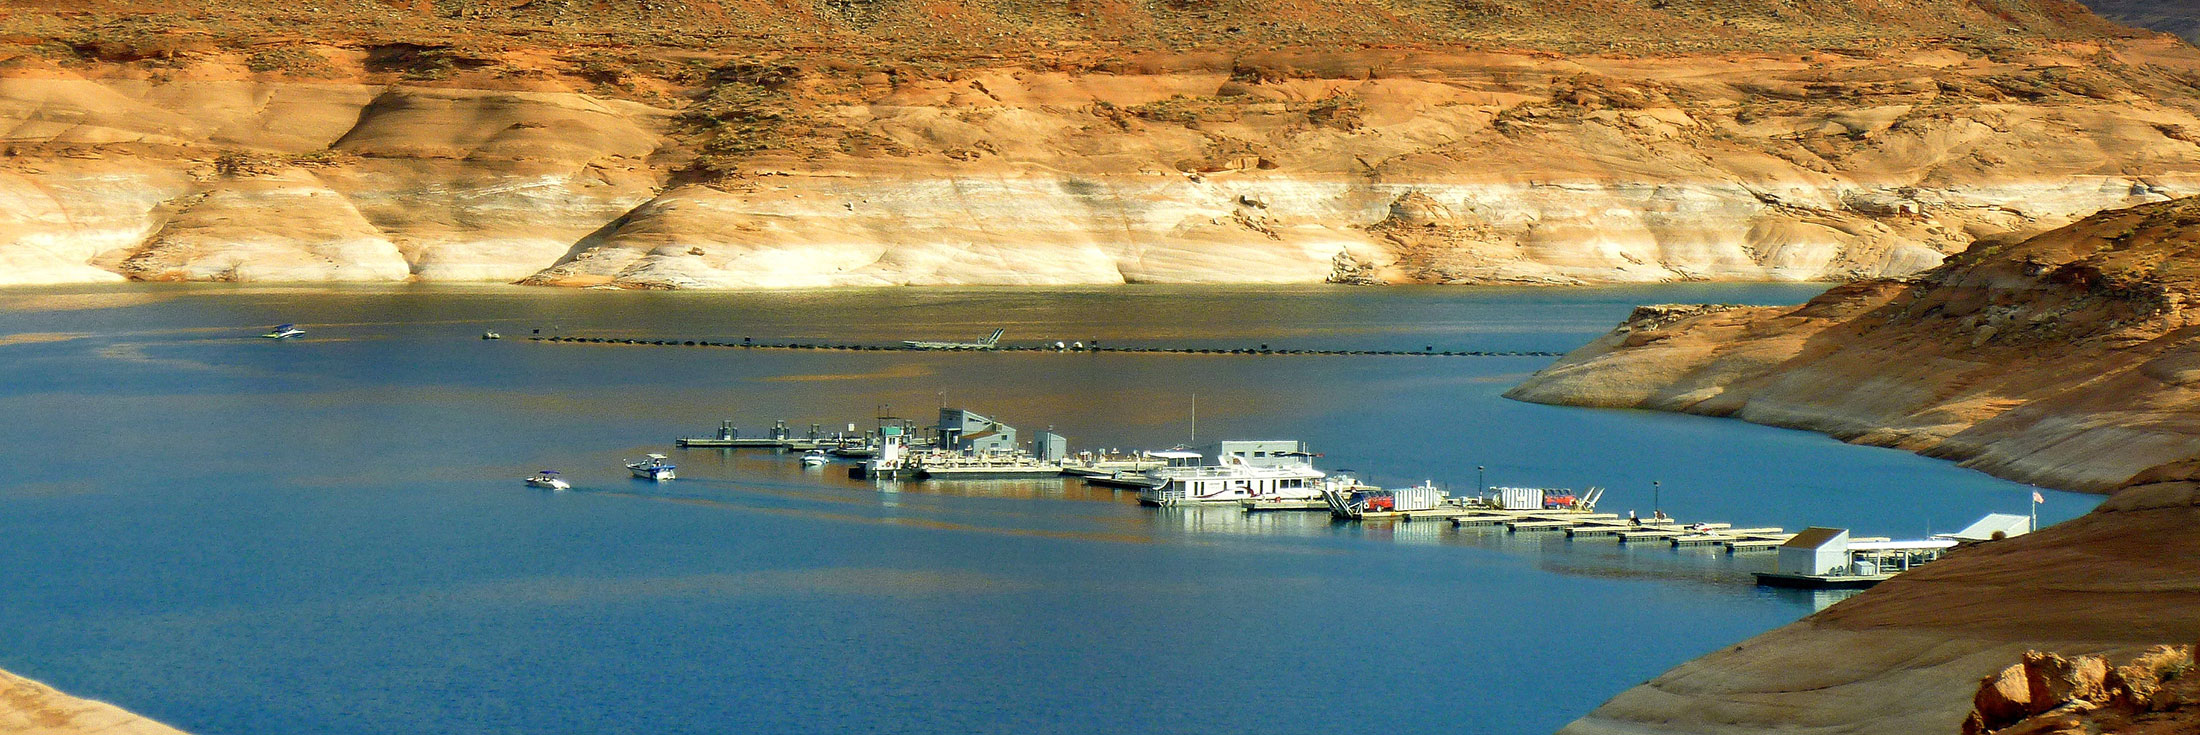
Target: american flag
2036,497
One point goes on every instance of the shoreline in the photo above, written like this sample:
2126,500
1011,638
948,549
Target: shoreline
30,707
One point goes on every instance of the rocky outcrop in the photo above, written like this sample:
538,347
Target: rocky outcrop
1910,655
2085,695
363,160
2067,359
30,708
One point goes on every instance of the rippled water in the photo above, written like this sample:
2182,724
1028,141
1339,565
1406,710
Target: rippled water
328,535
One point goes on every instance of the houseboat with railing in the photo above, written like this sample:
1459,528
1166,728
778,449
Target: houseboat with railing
1245,470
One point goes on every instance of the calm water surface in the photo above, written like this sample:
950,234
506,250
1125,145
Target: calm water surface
238,535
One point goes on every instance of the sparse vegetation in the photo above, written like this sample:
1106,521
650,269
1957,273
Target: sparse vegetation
290,61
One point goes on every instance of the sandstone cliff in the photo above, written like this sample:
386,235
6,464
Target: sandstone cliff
2067,359
30,708
727,147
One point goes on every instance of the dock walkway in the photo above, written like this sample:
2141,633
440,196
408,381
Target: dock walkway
1587,525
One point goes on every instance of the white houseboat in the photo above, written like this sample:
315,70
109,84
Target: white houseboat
1246,470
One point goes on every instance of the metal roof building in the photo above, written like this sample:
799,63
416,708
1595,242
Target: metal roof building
1993,526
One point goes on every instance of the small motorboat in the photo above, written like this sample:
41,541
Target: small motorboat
491,334
283,331
548,480
815,457
653,468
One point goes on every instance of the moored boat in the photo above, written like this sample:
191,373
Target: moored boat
283,331
938,465
815,457
1248,470
653,468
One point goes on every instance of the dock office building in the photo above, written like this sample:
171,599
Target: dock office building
970,432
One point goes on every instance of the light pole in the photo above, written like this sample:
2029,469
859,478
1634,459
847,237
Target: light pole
1479,486
1657,491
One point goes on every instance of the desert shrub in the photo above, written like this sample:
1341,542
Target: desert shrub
296,62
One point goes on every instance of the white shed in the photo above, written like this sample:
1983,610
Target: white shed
1816,551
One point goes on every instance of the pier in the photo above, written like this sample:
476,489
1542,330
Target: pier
1581,524
1261,350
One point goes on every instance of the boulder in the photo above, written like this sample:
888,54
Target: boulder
2048,725
2132,687
2053,680
2003,699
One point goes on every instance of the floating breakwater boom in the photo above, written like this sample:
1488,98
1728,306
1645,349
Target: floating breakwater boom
1260,350
749,148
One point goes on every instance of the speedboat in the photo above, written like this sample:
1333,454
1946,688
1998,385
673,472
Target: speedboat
653,468
283,331
815,457
548,480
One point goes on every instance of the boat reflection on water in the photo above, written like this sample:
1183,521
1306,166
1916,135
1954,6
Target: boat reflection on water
1231,520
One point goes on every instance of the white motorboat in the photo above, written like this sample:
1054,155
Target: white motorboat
1249,470
548,480
815,457
653,468
283,331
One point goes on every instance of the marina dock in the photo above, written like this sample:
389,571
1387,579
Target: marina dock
1590,525
968,446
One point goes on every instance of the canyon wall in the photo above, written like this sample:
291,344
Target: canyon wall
2069,359
1378,166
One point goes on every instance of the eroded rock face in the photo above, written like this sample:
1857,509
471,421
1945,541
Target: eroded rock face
2068,359
1421,167
2063,359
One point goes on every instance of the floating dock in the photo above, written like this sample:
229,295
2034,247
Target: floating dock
1259,506
1821,581
1589,525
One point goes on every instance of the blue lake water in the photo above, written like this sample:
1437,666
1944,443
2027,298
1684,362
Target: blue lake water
328,535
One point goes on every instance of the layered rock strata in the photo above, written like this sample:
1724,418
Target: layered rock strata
1383,166
2069,359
